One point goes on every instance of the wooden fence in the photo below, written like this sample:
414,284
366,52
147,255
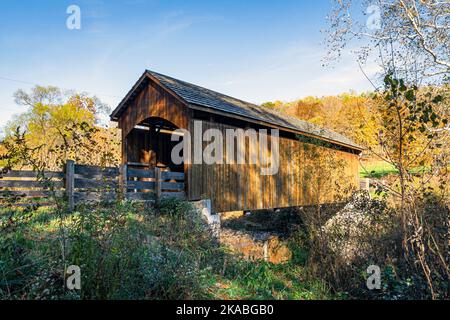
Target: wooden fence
19,185
371,185
83,184
152,184
364,184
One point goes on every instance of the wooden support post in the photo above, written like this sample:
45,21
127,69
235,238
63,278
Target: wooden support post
123,181
124,147
367,184
158,183
70,182
364,184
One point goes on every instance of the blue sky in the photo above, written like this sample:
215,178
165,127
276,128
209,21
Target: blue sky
254,50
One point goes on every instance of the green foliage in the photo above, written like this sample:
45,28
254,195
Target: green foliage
129,251
376,169
411,132
298,244
174,207
262,280
27,254
412,140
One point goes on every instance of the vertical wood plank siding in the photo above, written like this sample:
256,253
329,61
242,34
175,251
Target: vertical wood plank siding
299,181
153,101
306,175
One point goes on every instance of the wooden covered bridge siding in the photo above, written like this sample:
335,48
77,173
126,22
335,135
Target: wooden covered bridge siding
230,187
151,102
242,187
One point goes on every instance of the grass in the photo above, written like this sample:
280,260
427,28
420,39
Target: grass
259,280
262,281
126,251
376,169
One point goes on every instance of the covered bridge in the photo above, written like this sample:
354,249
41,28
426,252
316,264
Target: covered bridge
310,158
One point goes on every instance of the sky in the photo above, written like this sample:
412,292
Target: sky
253,50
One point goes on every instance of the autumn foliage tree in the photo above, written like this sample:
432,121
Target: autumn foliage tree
413,138
63,125
350,114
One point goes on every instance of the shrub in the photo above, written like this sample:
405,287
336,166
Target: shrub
342,244
124,251
130,251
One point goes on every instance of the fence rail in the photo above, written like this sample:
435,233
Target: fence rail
153,184
364,184
82,184
24,187
370,185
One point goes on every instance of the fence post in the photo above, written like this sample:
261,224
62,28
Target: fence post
364,184
158,182
123,181
70,181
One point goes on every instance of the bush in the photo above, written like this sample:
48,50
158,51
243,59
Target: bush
125,251
130,251
341,245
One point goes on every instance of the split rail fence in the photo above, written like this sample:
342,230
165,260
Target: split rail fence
84,184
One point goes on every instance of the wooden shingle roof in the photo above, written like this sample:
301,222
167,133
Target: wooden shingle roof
194,96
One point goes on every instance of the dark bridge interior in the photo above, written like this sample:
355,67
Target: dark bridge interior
149,145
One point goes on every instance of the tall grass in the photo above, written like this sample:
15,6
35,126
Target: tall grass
129,251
